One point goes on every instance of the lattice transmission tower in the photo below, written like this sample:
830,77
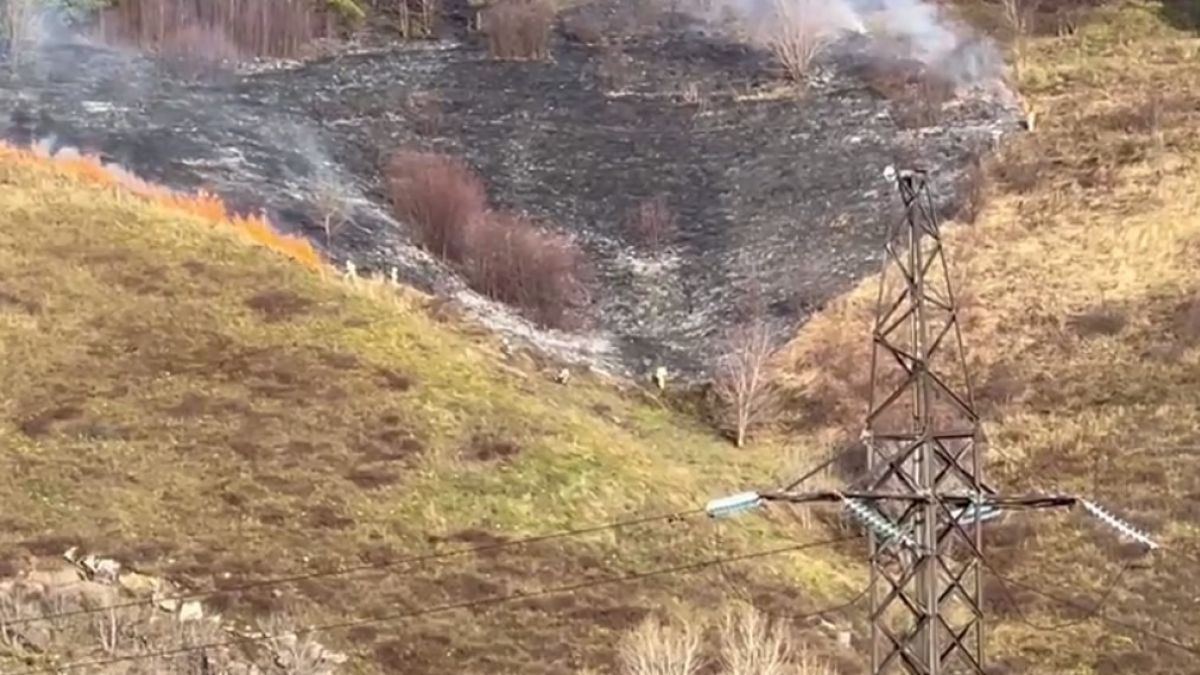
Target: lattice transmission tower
924,445
923,498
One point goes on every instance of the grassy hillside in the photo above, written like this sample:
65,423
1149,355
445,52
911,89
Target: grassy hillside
1083,326
214,412
206,409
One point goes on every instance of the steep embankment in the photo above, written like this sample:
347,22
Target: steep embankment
212,412
1083,326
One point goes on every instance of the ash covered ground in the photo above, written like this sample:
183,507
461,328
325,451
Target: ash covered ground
772,192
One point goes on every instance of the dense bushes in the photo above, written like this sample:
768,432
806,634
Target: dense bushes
214,29
440,197
518,29
502,255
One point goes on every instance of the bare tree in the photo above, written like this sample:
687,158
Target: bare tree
18,21
109,626
743,382
657,649
519,29
753,644
1019,15
333,206
297,651
795,33
652,222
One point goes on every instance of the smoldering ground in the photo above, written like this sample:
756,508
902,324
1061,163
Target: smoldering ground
776,192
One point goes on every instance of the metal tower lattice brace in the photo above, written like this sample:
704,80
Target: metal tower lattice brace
924,446
923,498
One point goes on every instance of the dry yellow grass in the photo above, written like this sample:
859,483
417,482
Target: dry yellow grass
1083,328
206,409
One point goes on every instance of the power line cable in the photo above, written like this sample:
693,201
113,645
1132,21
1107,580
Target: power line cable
1109,587
1167,640
829,461
373,567
447,607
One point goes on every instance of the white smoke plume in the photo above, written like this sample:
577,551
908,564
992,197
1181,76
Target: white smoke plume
911,29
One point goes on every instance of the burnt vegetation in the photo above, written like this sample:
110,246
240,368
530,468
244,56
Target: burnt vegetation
917,93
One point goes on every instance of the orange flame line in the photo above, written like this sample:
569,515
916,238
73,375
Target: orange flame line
207,206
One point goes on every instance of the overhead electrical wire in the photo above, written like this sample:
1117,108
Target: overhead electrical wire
1125,625
499,599
1109,588
367,568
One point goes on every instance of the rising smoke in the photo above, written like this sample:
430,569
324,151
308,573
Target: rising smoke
909,29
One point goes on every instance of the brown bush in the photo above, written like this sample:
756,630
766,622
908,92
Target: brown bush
796,35
502,255
276,28
916,93
651,222
972,195
1101,320
424,112
1187,322
518,29
1018,173
1064,17
586,26
542,273
414,18
1144,117
440,196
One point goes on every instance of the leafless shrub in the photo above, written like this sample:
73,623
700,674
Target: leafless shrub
1104,319
197,50
333,206
1063,17
585,26
278,28
753,644
16,608
1146,117
917,94
796,36
424,110
438,195
614,68
972,195
1187,322
414,19
657,649
297,652
544,274
18,19
1019,172
109,627
652,222
518,29
743,384
502,255
1019,15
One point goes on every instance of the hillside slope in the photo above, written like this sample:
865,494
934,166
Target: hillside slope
210,411
1082,311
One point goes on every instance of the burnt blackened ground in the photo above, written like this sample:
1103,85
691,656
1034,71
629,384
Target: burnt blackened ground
772,191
